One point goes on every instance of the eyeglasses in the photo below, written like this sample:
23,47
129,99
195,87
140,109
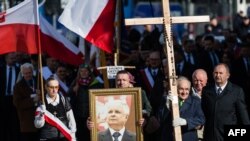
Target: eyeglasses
53,87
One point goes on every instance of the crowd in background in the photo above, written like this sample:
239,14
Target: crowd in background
142,50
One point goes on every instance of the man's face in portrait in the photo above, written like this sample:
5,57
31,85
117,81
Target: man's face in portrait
116,117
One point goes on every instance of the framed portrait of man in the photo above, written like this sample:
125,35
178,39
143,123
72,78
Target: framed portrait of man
115,113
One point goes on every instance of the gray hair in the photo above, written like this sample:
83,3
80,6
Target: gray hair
117,103
183,78
202,71
224,65
26,66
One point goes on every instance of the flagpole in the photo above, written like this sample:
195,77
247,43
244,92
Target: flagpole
104,71
5,5
40,75
118,32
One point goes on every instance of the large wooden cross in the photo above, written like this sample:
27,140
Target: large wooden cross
167,20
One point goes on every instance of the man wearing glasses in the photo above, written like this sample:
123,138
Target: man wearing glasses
55,118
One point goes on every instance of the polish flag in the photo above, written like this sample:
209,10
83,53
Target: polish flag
56,45
92,20
54,121
19,27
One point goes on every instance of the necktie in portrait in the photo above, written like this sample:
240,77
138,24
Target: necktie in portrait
116,136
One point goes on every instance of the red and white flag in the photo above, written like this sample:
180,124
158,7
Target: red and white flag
54,121
56,45
92,20
19,28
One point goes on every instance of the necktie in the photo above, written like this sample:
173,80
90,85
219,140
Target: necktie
215,58
154,73
9,81
247,64
31,84
116,135
181,103
219,90
189,58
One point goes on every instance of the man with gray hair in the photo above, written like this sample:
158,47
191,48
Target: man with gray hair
199,80
25,98
223,103
191,114
117,116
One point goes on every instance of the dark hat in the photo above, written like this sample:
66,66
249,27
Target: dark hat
86,66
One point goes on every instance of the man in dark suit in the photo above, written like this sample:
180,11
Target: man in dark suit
117,116
240,73
190,52
25,99
106,136
209,57
183,68
150,79
223,104
9,129
191,114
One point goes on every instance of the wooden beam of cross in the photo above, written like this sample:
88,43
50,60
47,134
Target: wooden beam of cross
167,21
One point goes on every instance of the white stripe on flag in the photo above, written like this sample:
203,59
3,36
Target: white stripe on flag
82,13
54,121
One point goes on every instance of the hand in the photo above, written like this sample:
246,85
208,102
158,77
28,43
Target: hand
90,124
43,108
199,127
140,122
76,87
36,98
170,98
145,113
38,92
73,134
179,122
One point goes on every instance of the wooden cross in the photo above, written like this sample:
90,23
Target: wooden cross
167,20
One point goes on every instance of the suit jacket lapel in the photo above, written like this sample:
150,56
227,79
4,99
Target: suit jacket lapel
227,89
105,136
186,104
126,136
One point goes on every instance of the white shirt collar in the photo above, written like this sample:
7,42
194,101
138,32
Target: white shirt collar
194,91
51,101
222,87
9,66
154,70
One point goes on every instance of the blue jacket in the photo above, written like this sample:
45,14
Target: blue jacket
191,111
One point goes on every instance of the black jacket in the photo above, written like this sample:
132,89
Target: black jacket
229,108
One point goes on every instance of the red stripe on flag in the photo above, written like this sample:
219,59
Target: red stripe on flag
18,38
58,126
56,49
102,33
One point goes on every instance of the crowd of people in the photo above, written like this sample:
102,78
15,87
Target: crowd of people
213,88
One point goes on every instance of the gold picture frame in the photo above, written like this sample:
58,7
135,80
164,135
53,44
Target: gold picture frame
100,100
